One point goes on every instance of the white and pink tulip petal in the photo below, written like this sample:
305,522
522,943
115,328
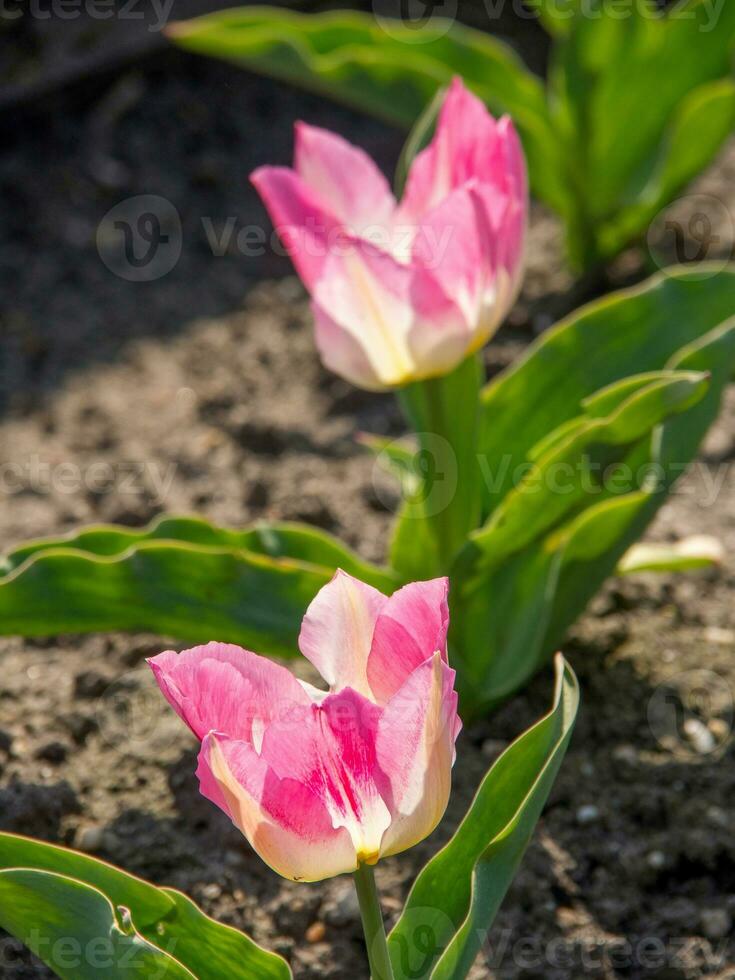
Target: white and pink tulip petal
322,782
415,749
307,229
411,628
337,630
392,311
401,293
221,686
285,822
344,178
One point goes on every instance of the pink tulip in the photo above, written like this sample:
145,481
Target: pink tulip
321,782
402,292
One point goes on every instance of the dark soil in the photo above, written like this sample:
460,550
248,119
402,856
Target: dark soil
201,392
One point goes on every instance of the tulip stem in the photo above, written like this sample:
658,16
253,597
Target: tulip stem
445,414
372,923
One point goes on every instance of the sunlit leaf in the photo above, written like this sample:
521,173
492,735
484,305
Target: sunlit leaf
457,895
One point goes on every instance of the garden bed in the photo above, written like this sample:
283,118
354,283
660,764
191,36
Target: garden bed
202,391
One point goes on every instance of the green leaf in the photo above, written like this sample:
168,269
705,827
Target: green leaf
530,571
392,71
276,540
658,69
672,447
457,895
162,917
150,903
76,930
350,56
702,122
624,334
698,128
576,466
696,551
180,577
550,545
507,620
212,950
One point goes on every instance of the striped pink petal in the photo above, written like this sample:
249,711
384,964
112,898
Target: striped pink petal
321,782
344,178
410,629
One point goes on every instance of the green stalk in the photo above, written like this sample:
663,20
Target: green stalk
372,924
444,413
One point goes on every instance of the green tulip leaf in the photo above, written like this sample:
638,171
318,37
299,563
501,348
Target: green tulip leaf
64,904
563,477
696,551
572,489
621,336
672,72
457,895
77,931
385,68
180,577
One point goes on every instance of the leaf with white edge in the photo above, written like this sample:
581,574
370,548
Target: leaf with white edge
574,467
696,551
391,73
626,333
180,577
77,931
538,590
162,917
536,594
700,126
457,895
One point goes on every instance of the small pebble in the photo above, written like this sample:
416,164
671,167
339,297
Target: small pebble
316,932
656,860
701,738
343,907
588,814
625,753
716,634
716,923
212,891
90,838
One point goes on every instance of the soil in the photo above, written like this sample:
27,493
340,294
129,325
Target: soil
201,391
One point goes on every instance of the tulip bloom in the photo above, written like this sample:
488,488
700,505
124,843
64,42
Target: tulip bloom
403,292
322,782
